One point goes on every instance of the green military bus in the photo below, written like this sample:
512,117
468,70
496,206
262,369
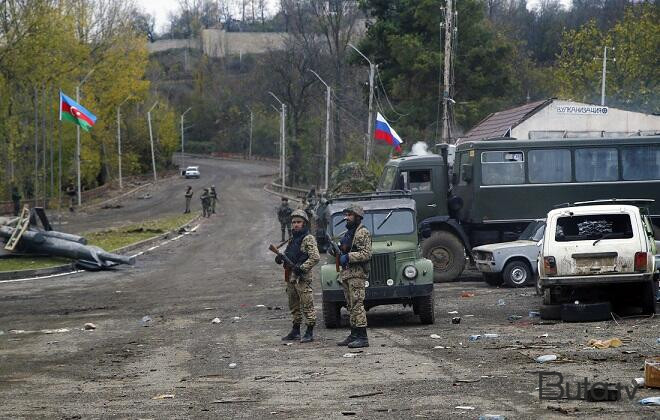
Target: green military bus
496,187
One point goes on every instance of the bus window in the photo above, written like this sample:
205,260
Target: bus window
551,165
502,168
420,180
596,164
640,162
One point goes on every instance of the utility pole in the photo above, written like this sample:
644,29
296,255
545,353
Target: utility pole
372,73
79,190
151,139
328,93
121,185
282,140
447,73
183,155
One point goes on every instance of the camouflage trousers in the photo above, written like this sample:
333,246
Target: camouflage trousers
354,294
301,302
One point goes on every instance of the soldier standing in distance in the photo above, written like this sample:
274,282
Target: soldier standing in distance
284,216
16,199
303,252
206,203
214,198
71,192
189,196
355,247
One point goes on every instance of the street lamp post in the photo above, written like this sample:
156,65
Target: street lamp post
78,138
372,71
151,139
328,93
121,185
282,140
183,153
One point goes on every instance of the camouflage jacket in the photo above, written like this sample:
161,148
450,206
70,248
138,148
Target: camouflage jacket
205,197
284,214
213,193
309,247
359,255
189,194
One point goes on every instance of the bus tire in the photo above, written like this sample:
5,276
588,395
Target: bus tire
447,254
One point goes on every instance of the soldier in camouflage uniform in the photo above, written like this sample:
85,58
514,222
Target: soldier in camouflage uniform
304,254
206,203
214,198
189,196
355,247
284,216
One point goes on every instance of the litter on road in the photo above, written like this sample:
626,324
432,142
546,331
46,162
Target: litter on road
232,365
89,326
163,397
216,321
547,358
435,336
650,401
605,344
467,294
464,407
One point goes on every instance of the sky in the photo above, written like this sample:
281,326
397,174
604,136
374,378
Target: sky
161,9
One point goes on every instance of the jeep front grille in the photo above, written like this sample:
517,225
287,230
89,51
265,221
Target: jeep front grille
380,269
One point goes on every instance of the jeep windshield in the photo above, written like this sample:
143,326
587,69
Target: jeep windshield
380,222
593,227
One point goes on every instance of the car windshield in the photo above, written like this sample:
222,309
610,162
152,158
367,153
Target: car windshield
386,181
593,226
380,222
533,231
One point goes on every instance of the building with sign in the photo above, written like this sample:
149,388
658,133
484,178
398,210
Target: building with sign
554,118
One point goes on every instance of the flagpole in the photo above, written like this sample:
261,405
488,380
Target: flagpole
151,138
78,138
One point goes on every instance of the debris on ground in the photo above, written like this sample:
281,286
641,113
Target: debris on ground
546,358
349,355
542,336
474,337
501,302
453,312
605,344
369,394
456,320
90,326
639,382
652,372
467,294
236,318
650,401
146,196
534,314
464,407
163,397
514,317
563,410
491,335
216,321
260,306
436,336
232,365
492,417
146,320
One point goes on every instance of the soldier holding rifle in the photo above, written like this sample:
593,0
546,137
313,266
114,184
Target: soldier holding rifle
299,258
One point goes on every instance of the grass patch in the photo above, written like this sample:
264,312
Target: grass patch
110,240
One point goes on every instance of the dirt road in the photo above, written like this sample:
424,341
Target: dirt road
51,367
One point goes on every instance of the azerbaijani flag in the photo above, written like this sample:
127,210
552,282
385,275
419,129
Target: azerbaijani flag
70,110
386,133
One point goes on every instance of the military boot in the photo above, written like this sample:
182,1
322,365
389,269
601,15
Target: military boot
309,335
294,334
361,340
352,336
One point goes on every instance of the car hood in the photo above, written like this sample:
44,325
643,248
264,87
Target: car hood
383,247
504,245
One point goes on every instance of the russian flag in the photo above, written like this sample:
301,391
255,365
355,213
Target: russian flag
386,133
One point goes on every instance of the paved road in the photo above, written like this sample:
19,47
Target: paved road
224,270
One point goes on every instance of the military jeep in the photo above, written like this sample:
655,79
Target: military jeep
398,274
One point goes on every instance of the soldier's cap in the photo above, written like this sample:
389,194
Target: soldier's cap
301,214
355,209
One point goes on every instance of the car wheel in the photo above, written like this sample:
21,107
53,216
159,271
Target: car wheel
586,312
426,309
331,314
649,296
550,312
517,274
493,279
447,254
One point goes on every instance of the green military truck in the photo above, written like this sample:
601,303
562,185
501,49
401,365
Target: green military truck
496,187
398,274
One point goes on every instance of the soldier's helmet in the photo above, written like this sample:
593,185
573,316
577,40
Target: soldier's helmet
355,209
300,214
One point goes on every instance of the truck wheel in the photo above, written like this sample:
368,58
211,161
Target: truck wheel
649,296
552,312
517,274
586,312
493,279
447,253
426,309
331,314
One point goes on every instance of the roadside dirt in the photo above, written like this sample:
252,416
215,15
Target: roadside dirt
224,270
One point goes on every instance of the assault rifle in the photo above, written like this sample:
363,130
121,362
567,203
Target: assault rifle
335,250
288,265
